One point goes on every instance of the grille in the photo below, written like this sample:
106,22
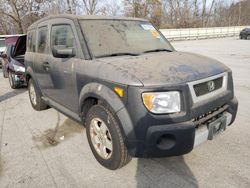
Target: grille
210,115
203,88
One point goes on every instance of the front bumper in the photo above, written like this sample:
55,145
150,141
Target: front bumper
160,135
180,138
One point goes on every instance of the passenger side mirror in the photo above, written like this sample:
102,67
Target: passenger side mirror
63,52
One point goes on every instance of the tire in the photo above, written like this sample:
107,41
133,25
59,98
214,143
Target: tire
35,98
12,81
101,120
248,37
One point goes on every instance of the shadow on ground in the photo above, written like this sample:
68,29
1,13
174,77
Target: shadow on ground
164,172
62,132
12,93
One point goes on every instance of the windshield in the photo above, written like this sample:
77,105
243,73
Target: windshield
124,37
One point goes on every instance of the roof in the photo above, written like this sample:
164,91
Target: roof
85,17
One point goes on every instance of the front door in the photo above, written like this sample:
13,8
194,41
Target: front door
62,69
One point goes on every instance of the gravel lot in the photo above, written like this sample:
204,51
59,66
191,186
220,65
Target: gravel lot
29,160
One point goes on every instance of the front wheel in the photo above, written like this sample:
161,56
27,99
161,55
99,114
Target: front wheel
35,98
105,138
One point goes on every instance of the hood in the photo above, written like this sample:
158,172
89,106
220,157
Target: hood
167,68
20,47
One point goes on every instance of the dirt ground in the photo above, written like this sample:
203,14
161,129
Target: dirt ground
30,159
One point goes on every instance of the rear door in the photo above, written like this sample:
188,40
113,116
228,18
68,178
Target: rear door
30,49
41,58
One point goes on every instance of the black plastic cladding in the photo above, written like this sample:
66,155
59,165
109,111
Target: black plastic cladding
143,119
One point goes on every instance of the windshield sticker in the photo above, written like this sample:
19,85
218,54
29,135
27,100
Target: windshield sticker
154,33
147,27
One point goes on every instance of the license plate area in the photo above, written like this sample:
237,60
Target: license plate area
216,127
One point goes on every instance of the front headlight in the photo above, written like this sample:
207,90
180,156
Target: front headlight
18,68
162,102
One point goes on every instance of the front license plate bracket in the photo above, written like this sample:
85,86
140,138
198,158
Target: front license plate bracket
216,127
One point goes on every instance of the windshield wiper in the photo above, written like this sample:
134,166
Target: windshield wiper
118,54
158,50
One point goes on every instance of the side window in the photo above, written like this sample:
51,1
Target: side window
31,41
62,37
42,40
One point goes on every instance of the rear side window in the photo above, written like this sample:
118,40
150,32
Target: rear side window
62,37
31,41
42,40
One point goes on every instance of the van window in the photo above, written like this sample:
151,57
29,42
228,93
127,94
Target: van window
31,41
62,37
42,40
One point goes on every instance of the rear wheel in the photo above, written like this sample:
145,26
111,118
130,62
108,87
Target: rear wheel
12,80
35,98
105,138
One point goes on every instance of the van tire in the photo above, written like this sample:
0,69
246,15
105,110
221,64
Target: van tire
35,98
119,156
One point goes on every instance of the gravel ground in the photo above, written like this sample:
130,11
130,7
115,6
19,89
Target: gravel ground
29,159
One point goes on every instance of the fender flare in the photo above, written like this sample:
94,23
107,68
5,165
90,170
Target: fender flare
29,72
110,98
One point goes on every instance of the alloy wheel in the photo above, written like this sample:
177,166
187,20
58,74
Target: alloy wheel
32,93
101,138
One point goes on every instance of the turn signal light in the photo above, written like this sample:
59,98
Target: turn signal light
119,91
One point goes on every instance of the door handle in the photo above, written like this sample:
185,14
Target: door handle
46,66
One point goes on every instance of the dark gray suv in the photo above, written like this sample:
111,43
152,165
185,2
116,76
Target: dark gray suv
121,78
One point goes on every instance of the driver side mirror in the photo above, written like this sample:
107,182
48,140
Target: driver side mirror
63,52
